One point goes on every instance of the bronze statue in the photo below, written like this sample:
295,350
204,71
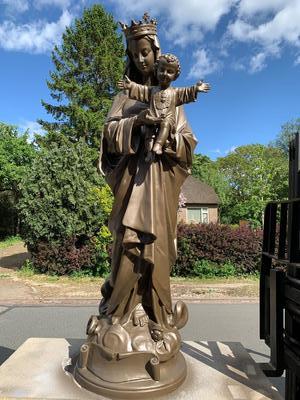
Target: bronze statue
162,99
133,345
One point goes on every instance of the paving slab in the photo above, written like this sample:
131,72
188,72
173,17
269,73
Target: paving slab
216,371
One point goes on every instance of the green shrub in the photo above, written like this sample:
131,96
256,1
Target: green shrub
101,260
219,244
16,157
27,269
208,269
64,205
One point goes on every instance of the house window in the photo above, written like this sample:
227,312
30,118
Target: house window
197,214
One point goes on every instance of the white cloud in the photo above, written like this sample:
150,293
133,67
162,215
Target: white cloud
258,62
231,150
251,7
35,37
58,3
31,127
223,153
203,65
270,25
279,28
238,65
15,6
297,61
182,22
218,151
20,6
283,27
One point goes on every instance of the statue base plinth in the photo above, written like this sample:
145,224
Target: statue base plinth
133,377
132,357
42,369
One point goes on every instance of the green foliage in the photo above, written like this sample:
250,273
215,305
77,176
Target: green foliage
208,269
87,66
288,131
59,198
8,214
207,171
245,180
27,269
69,255
16,156
256,174
10,241
218,244
101,260
64,207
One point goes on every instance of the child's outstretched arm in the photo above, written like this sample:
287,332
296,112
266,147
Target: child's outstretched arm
189,94
125,83
135,90
202,87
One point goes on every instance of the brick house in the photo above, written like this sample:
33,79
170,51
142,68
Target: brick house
201,202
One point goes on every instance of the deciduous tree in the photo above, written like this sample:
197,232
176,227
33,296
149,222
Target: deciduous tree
256,174
207,170
16,157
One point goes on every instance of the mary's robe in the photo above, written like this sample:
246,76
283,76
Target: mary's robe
144,215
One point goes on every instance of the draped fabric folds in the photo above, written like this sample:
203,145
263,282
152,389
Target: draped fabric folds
144,215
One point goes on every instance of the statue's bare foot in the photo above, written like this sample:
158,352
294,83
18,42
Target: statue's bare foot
157,148
139,317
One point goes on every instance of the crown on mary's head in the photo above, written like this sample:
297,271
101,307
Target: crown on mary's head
146,26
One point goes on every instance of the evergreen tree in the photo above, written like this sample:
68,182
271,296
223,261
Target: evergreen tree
64,207
87,66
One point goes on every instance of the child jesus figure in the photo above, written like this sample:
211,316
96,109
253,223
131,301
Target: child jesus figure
163,99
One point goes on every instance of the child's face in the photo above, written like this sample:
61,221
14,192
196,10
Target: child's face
166,72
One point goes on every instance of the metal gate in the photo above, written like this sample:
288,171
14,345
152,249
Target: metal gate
280,281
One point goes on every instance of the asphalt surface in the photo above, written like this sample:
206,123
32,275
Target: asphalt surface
211,322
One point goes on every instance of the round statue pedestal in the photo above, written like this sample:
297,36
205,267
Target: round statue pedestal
132,377
132,357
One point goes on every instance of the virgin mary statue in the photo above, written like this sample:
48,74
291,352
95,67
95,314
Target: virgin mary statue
133,344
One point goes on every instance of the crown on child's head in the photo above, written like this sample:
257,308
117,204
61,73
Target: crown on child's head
146,26
172,59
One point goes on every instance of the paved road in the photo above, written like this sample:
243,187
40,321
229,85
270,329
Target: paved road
223,322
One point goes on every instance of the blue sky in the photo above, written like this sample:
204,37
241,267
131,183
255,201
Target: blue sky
249,50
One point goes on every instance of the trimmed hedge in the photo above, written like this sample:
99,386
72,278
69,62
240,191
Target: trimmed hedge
219,244
63,258
88,256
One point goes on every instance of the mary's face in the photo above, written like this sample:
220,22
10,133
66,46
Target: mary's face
142,55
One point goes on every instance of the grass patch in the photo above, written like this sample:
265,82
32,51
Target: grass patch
27,270
10,241
208,269
4,276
